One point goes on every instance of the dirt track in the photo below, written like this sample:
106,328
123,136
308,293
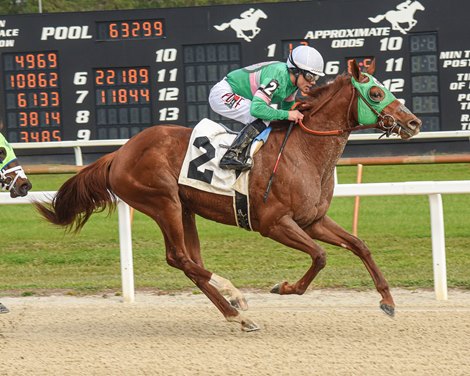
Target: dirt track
326,332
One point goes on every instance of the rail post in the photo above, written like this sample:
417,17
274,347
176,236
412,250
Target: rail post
125,244
357,201
78,156
438,246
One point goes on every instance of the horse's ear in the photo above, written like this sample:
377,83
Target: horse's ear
355,71
371,67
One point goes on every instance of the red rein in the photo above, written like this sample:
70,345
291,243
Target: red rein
336,132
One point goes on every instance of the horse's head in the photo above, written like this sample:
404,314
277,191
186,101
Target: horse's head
12,176
260,14
416,4
377,105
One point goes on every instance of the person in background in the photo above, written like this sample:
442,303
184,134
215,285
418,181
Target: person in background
246,95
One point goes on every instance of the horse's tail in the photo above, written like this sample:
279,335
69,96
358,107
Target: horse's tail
378,18
80,196
222,27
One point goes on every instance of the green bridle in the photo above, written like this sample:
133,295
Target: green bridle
368,110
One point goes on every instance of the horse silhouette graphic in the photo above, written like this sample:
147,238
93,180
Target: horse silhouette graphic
247,22
404,14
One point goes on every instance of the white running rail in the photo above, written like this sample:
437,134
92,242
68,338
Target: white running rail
77,145
433,189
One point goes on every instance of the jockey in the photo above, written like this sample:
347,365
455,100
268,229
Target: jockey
246,95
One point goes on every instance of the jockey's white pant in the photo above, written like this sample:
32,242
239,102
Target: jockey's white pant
225,102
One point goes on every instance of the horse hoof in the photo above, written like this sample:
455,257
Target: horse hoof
249,326
3,309
276,289
281,288
239,304
389,310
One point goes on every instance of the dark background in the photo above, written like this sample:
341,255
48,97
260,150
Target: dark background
200,55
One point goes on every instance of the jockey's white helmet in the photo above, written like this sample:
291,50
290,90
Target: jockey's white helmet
306,58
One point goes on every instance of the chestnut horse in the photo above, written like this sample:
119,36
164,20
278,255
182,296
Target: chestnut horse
144,173
12,176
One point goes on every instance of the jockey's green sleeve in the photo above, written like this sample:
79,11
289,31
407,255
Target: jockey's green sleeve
265,84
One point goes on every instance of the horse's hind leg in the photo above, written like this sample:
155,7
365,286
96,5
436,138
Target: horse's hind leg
328,231
224,286
191,237
164,207
170,220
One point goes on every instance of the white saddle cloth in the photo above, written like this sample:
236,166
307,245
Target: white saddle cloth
209,142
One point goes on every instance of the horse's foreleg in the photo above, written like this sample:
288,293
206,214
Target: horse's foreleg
328,231
287,232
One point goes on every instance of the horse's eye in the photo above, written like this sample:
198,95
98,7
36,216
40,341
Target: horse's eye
375,94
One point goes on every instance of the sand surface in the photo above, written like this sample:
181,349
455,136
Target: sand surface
324,332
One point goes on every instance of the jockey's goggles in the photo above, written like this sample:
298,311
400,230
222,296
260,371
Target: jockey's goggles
309,76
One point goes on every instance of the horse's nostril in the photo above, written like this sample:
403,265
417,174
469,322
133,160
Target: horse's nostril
24,188
414,124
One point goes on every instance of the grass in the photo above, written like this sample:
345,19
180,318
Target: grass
36,257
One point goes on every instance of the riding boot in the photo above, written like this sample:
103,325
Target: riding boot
235,157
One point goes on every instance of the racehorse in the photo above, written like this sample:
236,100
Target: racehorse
12,175
246,23
144,173
396,17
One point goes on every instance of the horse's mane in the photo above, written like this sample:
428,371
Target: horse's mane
315,96
318,93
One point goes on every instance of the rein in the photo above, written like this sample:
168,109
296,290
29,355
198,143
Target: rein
386,122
